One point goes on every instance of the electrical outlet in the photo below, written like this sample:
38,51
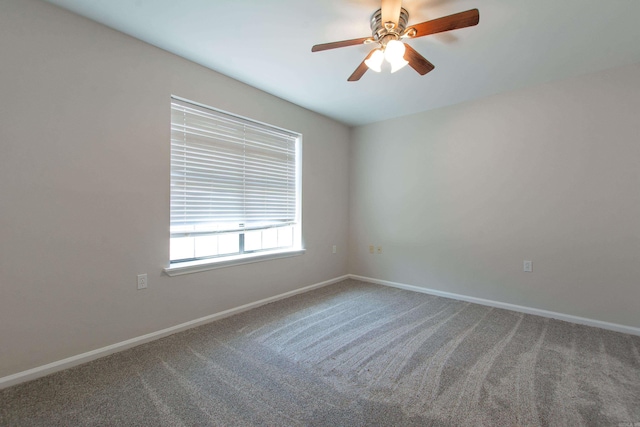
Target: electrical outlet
379,249
372,249
142,281
527,266
335,249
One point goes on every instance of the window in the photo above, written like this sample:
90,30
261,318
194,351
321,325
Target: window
235,187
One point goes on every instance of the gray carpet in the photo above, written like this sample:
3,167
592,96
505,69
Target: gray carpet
351,354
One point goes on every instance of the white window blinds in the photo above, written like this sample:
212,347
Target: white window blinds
229,173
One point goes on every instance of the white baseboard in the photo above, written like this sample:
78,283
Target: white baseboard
513,307
79,359
50,368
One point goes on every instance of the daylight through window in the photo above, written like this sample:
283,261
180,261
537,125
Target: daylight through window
235,185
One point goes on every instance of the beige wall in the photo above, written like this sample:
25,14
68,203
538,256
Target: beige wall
84,189
459,197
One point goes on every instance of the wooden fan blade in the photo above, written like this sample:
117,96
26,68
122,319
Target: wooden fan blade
362,68
335,45
417,61
448,23
391,10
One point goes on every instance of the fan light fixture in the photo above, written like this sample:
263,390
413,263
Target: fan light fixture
393,53
375,61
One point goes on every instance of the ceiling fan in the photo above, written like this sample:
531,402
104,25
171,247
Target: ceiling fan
389,27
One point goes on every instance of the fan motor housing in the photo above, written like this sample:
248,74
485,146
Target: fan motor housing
381,33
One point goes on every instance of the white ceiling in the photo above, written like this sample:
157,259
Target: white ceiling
267,44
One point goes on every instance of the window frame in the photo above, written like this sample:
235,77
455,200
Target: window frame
191,265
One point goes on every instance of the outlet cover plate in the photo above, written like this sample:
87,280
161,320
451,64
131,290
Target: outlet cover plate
142,281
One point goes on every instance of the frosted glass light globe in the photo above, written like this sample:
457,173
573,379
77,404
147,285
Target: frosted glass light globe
394,54
375,61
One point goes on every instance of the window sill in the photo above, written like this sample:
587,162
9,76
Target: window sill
212,264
